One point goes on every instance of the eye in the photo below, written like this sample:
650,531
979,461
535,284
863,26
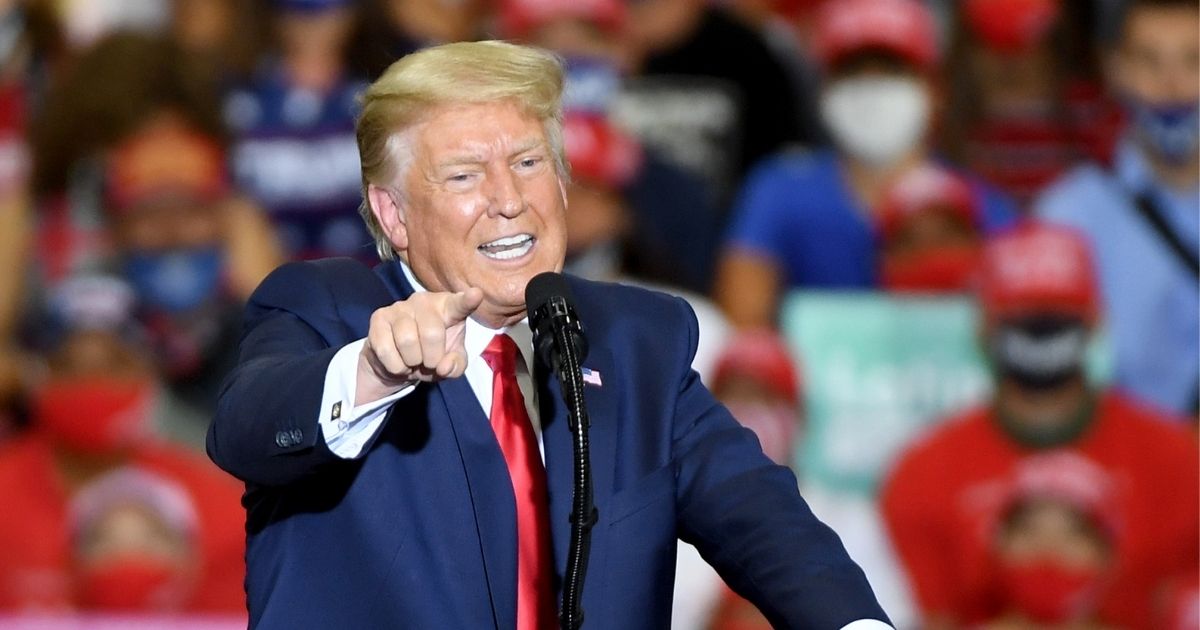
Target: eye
460,177
529,162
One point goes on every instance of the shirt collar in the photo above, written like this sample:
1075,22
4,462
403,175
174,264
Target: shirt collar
478,336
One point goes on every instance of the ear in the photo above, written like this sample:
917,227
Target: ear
390,214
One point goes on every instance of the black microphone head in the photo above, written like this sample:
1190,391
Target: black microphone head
551,306
545,286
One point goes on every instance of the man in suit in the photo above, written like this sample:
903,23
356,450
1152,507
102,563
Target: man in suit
408,466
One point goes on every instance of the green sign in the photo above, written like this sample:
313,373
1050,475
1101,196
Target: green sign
877,370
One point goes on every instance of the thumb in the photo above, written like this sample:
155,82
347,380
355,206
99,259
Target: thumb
459,306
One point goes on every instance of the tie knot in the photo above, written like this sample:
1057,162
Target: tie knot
501,354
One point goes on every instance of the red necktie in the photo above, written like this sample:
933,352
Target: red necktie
514,432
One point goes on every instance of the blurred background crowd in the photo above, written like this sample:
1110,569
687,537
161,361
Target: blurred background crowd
943,254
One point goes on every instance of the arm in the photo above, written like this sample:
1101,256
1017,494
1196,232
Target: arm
747,288
747,518
266,427
749,276
300,398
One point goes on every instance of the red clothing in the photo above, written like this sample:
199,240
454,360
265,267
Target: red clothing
35,545
939,501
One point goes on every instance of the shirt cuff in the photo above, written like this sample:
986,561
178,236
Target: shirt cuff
348,430
867,624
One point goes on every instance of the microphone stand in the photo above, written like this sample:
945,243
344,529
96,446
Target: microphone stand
583,510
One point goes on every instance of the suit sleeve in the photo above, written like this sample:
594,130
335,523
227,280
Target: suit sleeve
266,428
746,516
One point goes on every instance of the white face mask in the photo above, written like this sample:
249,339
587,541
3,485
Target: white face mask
876,119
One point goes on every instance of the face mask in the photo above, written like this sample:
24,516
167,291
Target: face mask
876,119
1048,593
175,281
773,423
1040,352
1171,131
96,415
940,270
133,583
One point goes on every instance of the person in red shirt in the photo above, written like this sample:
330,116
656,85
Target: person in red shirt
97,514
1052,544
1039,300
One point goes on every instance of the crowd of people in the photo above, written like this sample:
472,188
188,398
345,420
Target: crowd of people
1039,159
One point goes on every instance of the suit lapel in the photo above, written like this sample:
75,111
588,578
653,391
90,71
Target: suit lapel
491,495
558,442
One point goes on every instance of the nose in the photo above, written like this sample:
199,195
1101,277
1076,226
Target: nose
505,198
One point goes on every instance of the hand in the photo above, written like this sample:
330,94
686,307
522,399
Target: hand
418,339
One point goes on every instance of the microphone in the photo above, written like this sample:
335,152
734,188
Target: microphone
560,343
551,308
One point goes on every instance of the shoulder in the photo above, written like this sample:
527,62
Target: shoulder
334,296
1081,192
793,166
20,457
938,446
635,317
1159,431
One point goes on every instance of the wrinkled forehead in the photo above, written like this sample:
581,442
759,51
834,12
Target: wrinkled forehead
477,131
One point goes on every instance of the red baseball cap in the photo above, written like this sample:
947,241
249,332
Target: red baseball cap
761,355
519,17
599,152
1036,268
1071,479
922,190
164,158
1010,26
905,27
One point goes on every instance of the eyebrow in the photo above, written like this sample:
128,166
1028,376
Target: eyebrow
475,158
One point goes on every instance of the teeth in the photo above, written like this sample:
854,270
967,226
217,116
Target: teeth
508,248
509,241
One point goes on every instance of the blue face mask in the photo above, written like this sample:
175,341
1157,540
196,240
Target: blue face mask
1171,131
175,281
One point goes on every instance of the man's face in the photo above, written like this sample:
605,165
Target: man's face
482,205
1158,59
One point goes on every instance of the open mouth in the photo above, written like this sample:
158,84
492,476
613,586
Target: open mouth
509,247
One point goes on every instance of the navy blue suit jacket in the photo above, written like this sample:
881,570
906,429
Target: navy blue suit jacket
420,531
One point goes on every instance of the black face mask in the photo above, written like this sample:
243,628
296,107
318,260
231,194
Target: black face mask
1040,352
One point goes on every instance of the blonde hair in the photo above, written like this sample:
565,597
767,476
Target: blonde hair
461,72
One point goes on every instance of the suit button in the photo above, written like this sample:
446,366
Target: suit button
297,436
283,439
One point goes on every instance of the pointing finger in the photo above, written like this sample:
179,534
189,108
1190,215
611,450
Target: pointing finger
459,306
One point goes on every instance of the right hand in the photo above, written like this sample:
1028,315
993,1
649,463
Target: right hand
418,339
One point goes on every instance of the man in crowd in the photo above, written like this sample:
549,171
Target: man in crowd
1039,303
192,251
293,127
407,463
805,219
1142,214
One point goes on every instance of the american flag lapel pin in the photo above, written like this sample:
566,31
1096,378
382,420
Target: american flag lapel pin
591,377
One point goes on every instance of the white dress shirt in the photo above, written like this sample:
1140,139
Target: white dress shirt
349,431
